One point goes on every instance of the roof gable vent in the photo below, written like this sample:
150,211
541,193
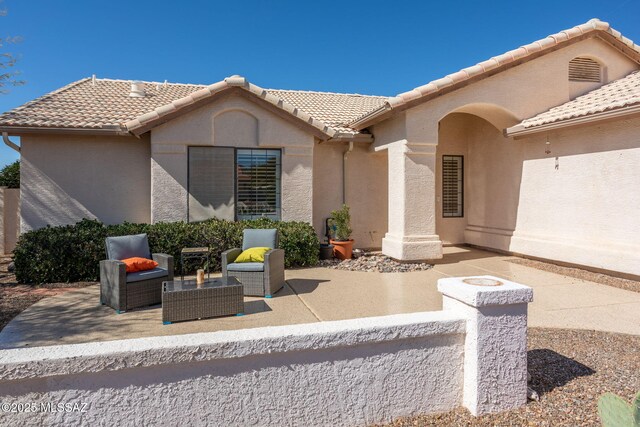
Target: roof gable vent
583,69
137,89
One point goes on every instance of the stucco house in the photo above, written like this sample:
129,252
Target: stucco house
535,151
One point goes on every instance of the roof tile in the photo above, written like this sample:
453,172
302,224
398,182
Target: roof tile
458,76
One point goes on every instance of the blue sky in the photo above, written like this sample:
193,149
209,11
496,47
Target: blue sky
370,47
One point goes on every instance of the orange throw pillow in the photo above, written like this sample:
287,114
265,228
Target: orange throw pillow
139,264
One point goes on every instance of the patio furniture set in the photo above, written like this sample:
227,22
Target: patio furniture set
186,299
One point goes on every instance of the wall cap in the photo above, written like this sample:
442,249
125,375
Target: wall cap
505,293
40,362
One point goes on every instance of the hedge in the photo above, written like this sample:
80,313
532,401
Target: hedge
72,253
10,175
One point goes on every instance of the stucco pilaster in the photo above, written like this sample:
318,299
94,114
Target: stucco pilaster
168,183
297,184
495,354
412,226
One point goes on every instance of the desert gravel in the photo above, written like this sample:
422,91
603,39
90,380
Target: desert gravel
578,273
375,262
570,369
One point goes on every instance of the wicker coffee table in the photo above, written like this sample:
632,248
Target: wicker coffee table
185,300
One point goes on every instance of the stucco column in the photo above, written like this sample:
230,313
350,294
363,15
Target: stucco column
412,212
495,351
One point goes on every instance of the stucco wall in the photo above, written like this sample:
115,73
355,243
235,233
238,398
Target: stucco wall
580,203
494,177
343,373
506,200
367,195
9,219
576,205
327,183
452,141
230,122
67,178
517,93
366,190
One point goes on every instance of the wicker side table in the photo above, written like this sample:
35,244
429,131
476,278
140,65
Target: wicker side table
185,300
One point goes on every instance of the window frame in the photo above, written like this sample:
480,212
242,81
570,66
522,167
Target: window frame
278,216
461,180
235,178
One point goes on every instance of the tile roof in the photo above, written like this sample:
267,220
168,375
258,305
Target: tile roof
335,109
83,104
309,107
105,104
593,27
616,95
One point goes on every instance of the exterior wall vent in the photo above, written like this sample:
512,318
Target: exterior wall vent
583,69
137,89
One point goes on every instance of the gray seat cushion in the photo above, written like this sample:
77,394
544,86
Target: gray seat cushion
123,247
260,238
245,266
138,276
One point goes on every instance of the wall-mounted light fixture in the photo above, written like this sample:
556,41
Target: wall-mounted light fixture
547,146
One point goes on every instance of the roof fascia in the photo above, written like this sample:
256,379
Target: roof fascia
26,130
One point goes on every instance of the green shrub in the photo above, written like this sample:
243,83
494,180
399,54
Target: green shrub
10,175
72,253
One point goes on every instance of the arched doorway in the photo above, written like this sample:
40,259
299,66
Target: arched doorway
478,173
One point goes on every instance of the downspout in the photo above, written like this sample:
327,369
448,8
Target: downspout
11,144
344,172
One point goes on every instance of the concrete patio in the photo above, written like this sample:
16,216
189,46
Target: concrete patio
322,294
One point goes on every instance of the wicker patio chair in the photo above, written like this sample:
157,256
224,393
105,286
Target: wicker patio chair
124,291
258,279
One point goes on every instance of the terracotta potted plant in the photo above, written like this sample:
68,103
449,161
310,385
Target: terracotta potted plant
342,242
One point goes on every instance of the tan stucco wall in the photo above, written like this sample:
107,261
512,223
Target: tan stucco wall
581,203
452,141
367,195
507,97
327,183
494,179
492,171
493,164
577,204
9,219
520,92
67,178
229,122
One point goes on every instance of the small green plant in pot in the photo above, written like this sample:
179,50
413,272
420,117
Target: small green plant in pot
342,241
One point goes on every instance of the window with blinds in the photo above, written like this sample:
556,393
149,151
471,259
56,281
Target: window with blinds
583,69
258,183
211,183
452,187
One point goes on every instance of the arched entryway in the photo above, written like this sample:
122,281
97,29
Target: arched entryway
478,173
